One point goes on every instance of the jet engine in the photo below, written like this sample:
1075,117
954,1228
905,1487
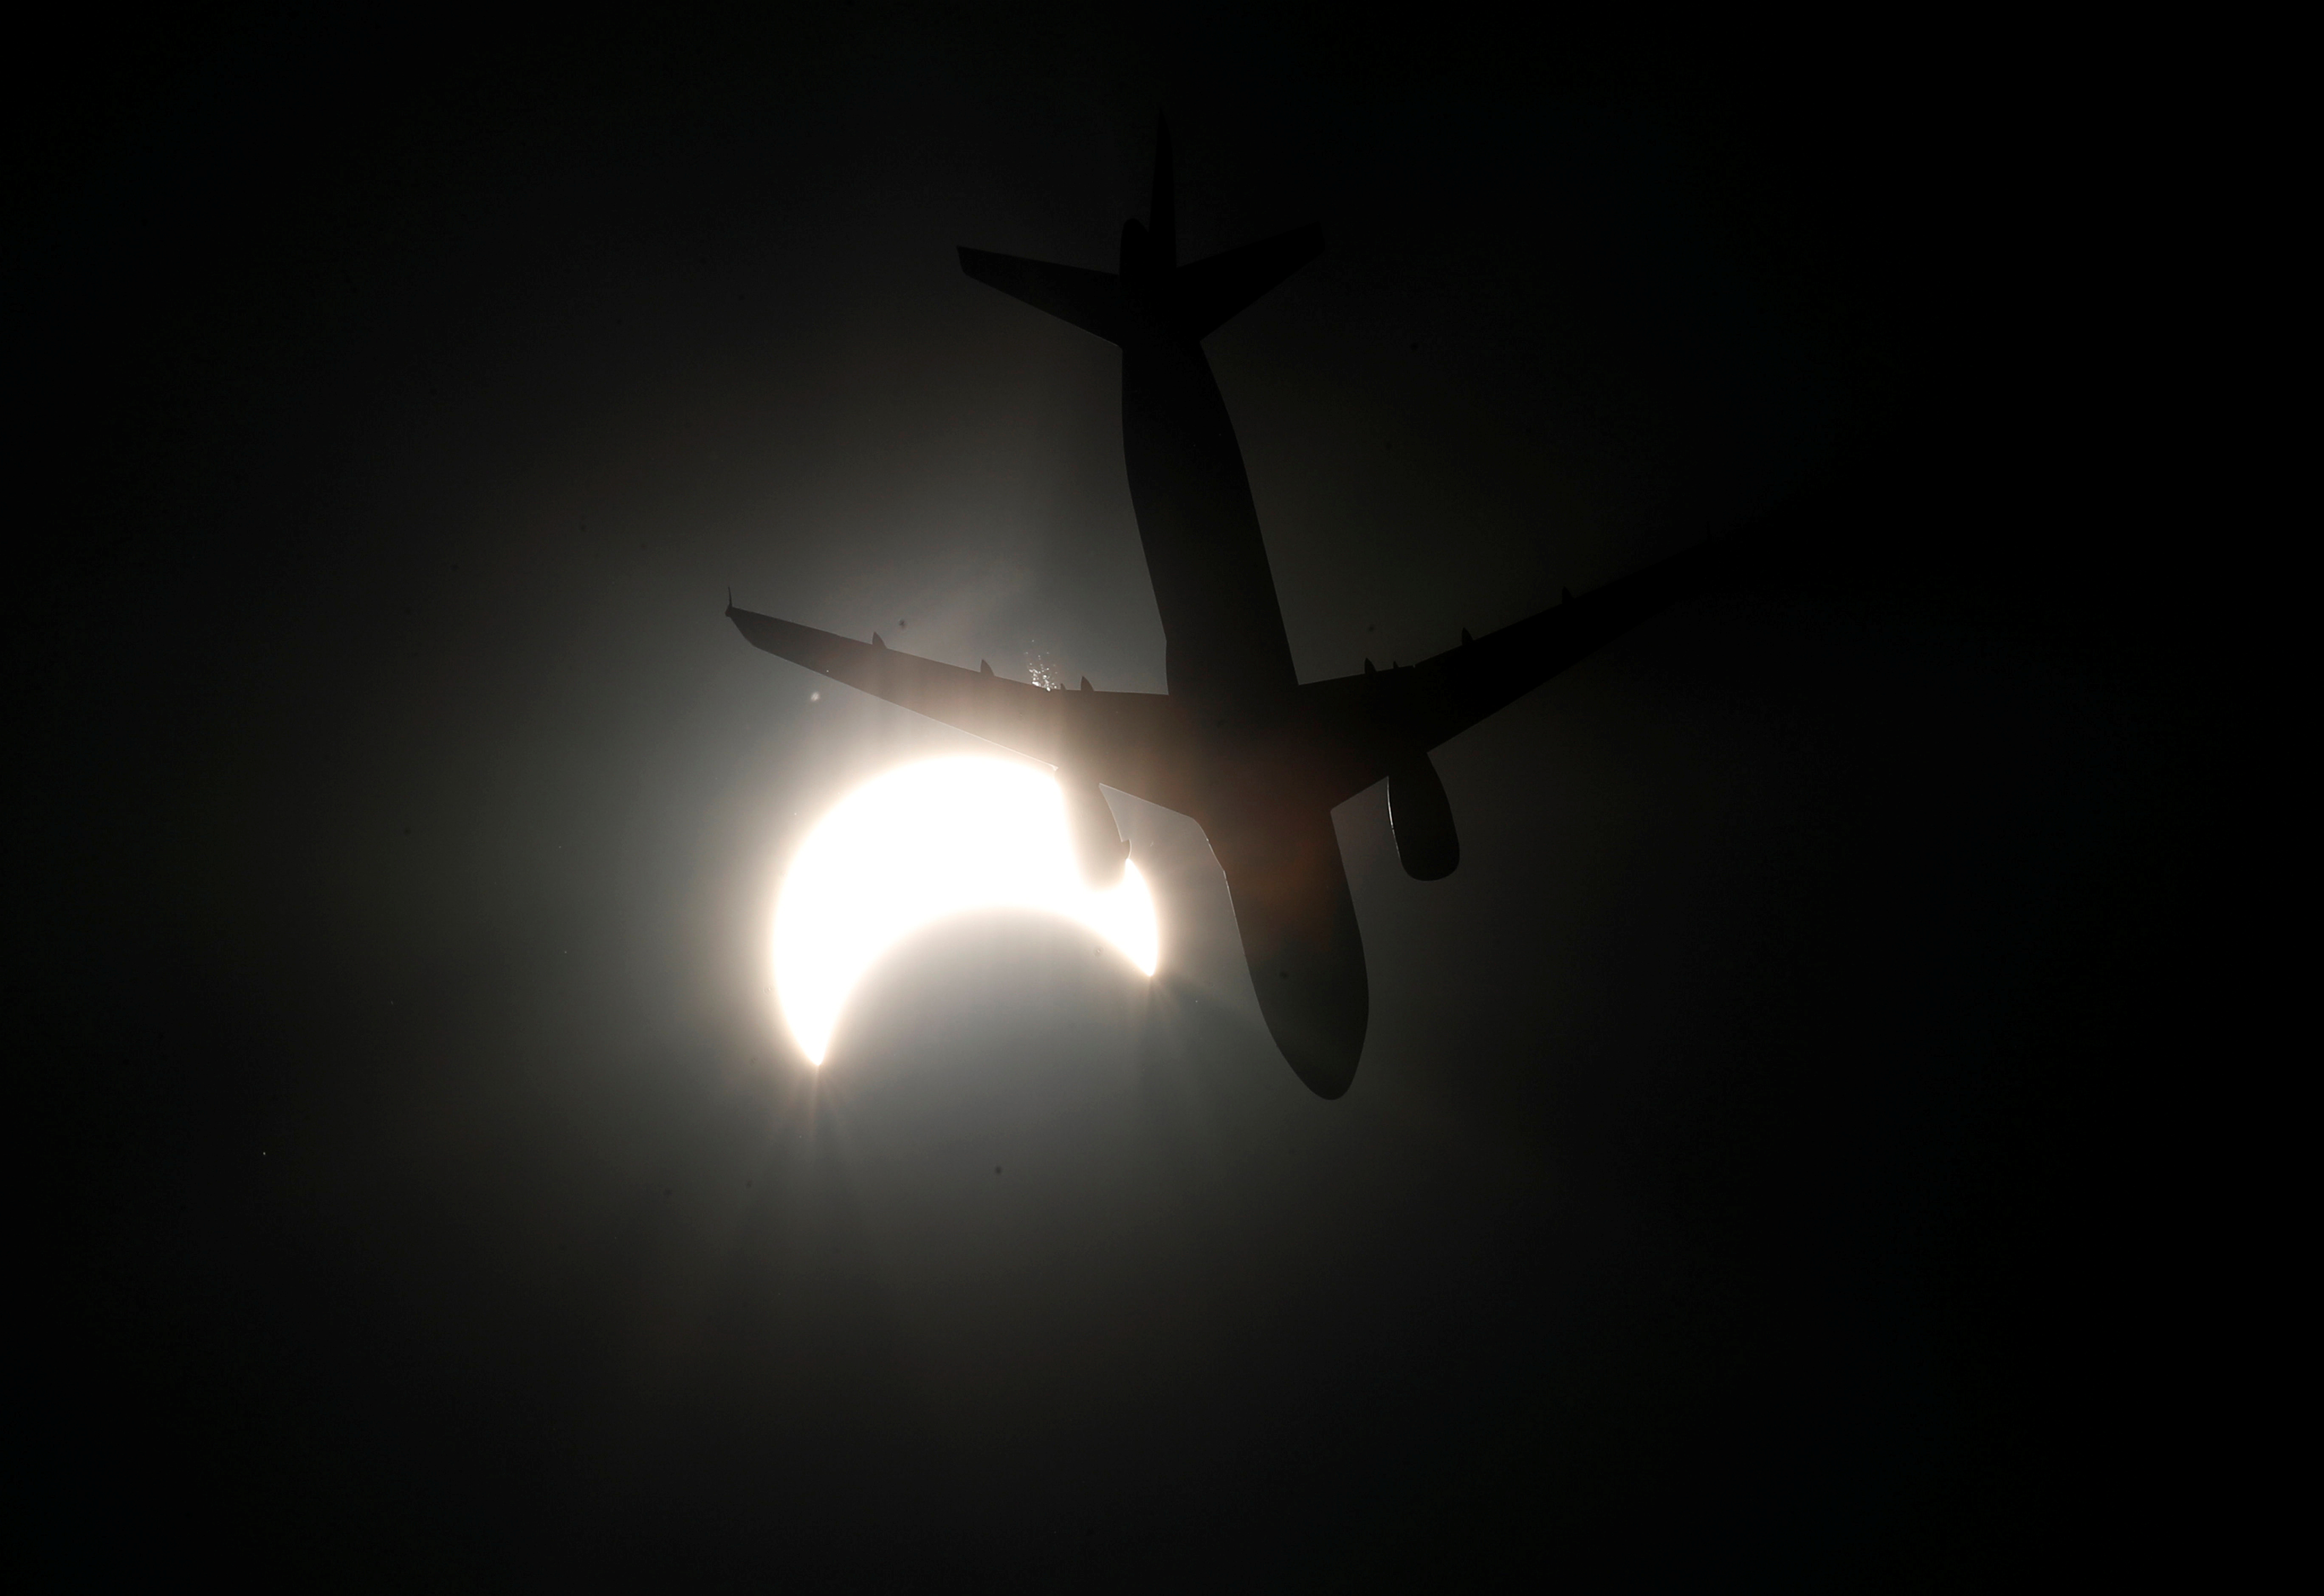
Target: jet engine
1421,816
1097,847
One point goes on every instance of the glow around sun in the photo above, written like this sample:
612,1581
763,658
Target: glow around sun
921,843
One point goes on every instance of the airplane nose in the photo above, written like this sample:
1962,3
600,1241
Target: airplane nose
1299,933
1318,1018
1328,1073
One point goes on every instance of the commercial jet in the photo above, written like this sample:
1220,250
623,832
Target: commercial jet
1238,743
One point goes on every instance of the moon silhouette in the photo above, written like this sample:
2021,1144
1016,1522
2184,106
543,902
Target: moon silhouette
922,844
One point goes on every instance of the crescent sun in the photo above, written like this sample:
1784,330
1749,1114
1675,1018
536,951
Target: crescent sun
924,843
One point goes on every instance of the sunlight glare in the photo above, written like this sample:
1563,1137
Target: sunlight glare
920,843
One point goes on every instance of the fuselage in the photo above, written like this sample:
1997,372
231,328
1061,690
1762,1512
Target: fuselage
1222,626
1248,763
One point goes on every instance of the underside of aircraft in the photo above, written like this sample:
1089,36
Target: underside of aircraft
1256,757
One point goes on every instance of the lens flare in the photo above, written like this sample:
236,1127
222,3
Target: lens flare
919,844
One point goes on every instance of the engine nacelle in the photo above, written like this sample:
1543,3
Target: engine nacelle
1421,816
1098,849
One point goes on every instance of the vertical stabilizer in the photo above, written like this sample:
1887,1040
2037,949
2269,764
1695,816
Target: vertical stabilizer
1164,208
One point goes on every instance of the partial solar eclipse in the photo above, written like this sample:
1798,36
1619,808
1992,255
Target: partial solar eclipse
922,844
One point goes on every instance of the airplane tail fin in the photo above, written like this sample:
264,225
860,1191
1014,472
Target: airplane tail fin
1163,227
1207,292
1199,298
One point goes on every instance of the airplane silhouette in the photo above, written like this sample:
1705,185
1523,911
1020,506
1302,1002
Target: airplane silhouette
1238,743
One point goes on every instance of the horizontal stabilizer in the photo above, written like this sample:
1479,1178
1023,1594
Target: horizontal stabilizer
1210,291
1090,300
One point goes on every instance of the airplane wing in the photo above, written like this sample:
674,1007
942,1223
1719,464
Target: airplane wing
1017,716
1419,706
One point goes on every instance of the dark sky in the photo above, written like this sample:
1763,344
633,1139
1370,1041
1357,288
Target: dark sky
436,1199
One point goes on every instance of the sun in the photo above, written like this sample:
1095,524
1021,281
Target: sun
921,843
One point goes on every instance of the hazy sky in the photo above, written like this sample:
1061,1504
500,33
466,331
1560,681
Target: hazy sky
441,1198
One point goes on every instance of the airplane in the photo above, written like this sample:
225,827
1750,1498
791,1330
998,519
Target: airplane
1238,743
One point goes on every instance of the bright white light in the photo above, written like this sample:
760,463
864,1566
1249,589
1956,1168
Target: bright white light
919,843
